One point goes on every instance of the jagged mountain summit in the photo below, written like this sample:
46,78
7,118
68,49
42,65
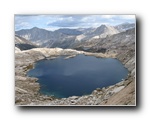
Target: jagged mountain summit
95,33
105,30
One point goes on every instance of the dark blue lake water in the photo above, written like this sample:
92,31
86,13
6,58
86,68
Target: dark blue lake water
77,76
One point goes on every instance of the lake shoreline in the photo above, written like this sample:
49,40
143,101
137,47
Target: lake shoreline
24,59
76,73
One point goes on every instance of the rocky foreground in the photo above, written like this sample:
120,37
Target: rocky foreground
26,88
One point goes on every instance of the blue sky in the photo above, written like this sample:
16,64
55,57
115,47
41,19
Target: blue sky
53,22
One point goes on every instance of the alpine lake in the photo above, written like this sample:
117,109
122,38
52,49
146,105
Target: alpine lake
76,76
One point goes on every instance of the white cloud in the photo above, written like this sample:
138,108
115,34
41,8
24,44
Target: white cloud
52,22
51,28
25,24
22,25
127,16
85,19
107,16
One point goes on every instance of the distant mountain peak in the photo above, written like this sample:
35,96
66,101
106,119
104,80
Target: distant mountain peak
35,28
103,25
125,26
105,30
67,37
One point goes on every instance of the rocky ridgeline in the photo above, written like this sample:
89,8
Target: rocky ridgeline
26,88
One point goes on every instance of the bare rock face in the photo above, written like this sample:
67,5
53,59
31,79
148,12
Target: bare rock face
23,44
17,50
105,30
126,96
